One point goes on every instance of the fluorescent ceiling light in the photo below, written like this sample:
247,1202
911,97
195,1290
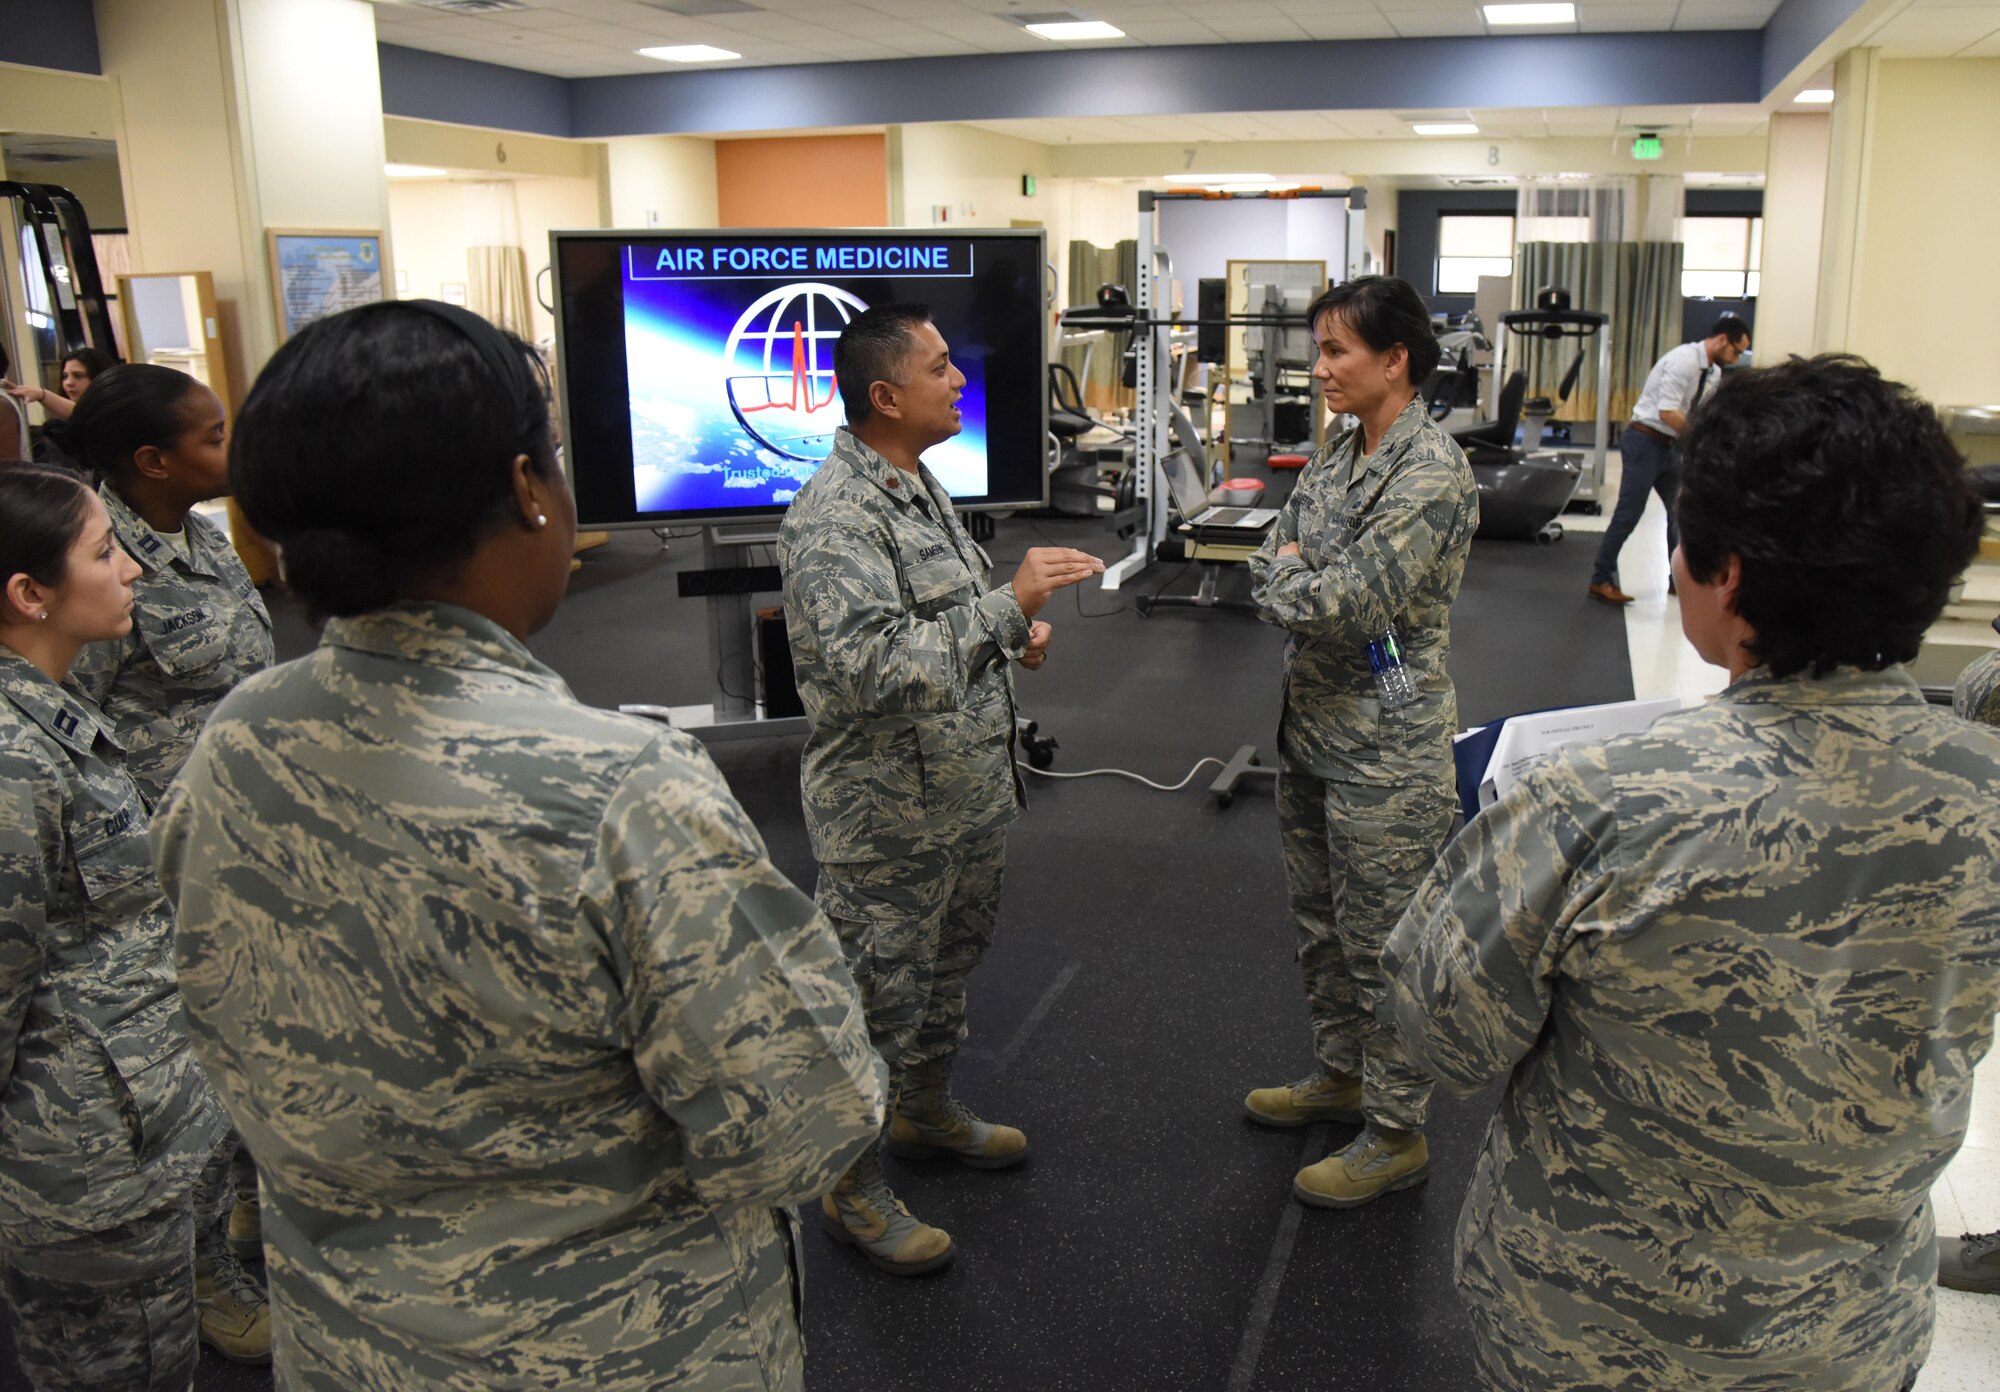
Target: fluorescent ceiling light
1214,180
413,171
1444,128
1819,96
1530,14
1071,31
689,53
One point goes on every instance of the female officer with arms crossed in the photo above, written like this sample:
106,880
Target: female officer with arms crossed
105,1119
531,1042
1361,569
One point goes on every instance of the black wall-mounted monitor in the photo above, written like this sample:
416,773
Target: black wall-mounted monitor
696,368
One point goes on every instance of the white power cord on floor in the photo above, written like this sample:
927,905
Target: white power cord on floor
1123,773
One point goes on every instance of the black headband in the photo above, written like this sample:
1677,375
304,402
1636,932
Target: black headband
506,362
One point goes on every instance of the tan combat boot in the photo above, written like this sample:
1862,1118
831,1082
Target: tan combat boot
863,1214
1372,1164
234,1316
1321,1097
929,1122
246,1231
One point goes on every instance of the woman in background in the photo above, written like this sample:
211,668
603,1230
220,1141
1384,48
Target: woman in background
105,1119
533,1045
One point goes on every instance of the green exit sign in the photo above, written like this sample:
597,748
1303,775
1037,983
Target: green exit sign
1647,147
1027,186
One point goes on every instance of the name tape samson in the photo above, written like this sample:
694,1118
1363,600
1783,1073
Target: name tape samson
700,260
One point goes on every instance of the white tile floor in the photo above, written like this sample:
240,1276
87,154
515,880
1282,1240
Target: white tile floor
1965,1348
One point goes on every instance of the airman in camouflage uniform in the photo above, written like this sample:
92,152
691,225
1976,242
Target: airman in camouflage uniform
108,1120
198,628
1977,694
1365,797
902,646
531,1042
1741,967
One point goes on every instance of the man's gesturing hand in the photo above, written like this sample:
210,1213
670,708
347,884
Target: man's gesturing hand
1046,569
1037,651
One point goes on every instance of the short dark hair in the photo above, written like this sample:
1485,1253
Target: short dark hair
130,406
42,510
1382,311
874,347
1731,327
378,445
95,362
1844,499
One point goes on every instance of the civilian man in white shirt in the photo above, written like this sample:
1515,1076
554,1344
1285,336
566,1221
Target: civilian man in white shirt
1678,382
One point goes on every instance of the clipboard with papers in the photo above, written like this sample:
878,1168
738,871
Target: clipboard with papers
1492,758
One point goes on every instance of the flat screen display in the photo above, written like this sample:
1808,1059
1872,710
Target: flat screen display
697,367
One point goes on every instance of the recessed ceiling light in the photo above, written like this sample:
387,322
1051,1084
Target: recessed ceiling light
1072,31
1819,96
689,53
413,171
1444,128
1530,14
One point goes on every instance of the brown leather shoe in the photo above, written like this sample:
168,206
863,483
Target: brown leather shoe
1608,592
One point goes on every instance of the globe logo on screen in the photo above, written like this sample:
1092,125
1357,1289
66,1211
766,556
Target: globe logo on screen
779,367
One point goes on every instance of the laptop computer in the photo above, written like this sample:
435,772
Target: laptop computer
1225,526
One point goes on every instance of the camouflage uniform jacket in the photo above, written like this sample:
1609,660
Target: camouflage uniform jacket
198,627
104,1113
1382,541
527,1035
902,652
1741,966
1977,694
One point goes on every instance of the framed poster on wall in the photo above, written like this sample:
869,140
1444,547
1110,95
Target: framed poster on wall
314,274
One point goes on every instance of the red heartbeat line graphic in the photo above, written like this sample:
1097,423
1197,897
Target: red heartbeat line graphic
801,385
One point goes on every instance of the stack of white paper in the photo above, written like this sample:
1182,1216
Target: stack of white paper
1526,738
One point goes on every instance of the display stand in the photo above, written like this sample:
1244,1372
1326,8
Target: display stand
733,714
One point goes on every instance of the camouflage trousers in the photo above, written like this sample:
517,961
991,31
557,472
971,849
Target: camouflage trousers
115,1309
108,1311
1354,855
913,931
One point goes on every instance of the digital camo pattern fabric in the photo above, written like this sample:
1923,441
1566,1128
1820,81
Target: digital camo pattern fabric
1354,853
111,1309
105,1115
1382,541
198,628
530,1040
1741,967
914,930
902,652
1977,694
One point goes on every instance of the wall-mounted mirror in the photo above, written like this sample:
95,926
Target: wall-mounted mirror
170,320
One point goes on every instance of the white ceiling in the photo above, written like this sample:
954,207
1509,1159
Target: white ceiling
594,38
588,38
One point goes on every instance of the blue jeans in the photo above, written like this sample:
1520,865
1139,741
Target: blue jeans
1651,466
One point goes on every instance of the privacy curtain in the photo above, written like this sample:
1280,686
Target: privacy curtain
1089,267
496,268
1615,244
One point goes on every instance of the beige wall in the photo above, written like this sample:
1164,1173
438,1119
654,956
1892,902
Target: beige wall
1794,209
973,174
428,218
239,116
1908,272
661,181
